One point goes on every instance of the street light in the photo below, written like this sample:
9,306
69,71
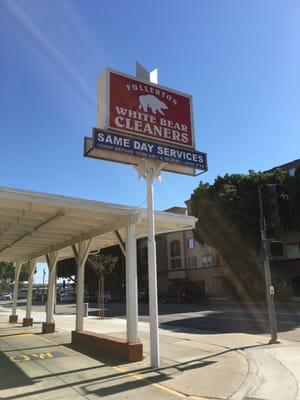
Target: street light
269,287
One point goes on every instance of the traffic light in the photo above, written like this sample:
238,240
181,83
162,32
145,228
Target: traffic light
271,207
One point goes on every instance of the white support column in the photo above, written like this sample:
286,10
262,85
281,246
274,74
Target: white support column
152,274
81,252
51,261
13,317
131,283
31,271
150,170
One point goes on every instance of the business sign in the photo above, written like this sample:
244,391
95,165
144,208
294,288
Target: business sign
132,146
135,107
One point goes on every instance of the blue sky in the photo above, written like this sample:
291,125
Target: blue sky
239,59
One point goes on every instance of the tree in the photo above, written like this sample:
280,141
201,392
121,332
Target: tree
228,220
102,265
7,272
7,275
67,269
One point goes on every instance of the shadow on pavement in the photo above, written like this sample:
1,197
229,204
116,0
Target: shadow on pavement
11,376
103,358
230,322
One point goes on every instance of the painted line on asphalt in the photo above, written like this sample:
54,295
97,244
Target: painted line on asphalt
157,385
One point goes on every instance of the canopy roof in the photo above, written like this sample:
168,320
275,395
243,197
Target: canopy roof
33,224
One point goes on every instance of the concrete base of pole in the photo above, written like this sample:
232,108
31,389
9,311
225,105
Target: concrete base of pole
271,341
48,327
27,321
13,318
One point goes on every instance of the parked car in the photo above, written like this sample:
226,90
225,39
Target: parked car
68,297
6,296
39,298
143,296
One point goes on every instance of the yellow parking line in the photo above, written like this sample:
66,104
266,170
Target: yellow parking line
15,334
46,340
158,385
196,398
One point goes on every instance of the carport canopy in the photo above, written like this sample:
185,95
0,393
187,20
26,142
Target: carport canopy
35,224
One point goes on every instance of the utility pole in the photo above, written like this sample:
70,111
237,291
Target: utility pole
44,273
268,281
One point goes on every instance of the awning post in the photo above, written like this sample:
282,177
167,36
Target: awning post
13,317
131,283
81,252
49,325
28,321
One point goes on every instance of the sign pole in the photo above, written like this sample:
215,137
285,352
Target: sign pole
152,274
150,170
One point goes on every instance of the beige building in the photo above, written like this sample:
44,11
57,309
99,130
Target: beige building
193,268
184,266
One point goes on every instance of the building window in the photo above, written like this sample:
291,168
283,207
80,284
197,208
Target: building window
176,263
175,254
207,261
293,250
175,248
192,262
292,171
190,243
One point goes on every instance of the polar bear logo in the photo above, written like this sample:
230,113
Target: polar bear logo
153,103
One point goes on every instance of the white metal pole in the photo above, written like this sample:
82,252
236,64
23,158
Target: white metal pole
131,284
29,292
16,287
149,173
152,276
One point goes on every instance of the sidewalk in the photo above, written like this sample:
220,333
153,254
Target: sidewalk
193,366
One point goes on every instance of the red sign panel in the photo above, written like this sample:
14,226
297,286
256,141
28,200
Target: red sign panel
136,107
